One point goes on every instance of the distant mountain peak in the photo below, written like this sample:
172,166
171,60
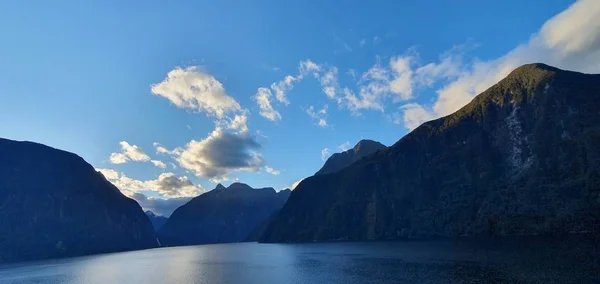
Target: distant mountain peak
339,161
239,185
240,207
534,67
368,145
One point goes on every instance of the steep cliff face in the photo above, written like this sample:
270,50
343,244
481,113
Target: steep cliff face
54,204
522,158
222,215
339,161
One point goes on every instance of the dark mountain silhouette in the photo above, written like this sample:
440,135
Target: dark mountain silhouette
522,158
336,162
54,204
260,229
222,215
339,161
156,220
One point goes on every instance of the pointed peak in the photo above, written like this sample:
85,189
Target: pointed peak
150,213
219,186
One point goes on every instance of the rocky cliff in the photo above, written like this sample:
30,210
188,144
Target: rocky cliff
523,157
54,204
222,215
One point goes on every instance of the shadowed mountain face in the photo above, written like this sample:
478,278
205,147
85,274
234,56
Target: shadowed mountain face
156,220
222,215
339,161
54,204
522,158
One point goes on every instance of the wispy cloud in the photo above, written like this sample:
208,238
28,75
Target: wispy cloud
128,153
271,171
362,42
319,115
264,95
344,146
325,153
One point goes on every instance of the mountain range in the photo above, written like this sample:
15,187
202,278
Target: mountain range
521,158
222,215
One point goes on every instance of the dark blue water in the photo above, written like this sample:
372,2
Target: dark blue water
377,262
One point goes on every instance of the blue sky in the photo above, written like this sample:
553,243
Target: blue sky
84,76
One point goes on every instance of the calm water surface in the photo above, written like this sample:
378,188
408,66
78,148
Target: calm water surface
377,262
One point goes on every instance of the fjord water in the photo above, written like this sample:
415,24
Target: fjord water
445,261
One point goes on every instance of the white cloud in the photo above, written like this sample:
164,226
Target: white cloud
166,185
569,40
329,82
272,171
162,150
218,179
449,67
264,95
159,206
221,153
362,42
118,158
401,83
282,87
263,99
128,153
380,82
320,115
309,67
365,100
109,174
159,164
239,122
414,115
344,146
325,153
192,88
133,152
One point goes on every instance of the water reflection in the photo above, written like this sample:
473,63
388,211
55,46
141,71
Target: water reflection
522,261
